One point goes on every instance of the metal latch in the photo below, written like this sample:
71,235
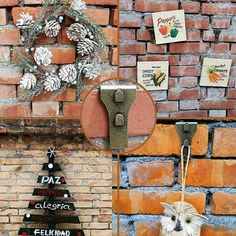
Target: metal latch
186,131
118,100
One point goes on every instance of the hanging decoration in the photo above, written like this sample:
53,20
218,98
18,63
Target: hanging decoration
169,26
215,72
49,205
181,218
88,37
153,75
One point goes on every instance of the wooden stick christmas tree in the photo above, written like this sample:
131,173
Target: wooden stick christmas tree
50,205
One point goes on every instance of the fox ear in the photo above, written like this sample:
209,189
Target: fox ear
168,209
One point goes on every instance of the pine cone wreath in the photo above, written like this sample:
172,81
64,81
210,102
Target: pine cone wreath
92,70
43,56
68,73
28,81
25,21
76,32
86,47
52,28
52,83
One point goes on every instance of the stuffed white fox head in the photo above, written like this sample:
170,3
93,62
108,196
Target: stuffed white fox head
180,219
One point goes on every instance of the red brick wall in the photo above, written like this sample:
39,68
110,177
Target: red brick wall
185,98
103,13
151,175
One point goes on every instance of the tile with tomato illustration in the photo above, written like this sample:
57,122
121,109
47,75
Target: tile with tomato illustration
153,75
169,26
215,72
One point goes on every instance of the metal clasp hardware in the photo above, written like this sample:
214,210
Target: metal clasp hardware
186,131
118,100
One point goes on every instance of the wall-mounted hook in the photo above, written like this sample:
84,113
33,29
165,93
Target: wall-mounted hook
186,131
118,100
217,33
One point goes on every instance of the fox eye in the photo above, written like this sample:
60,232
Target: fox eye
173,218
188,220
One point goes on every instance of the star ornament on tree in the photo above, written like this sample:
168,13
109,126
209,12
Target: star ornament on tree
51,152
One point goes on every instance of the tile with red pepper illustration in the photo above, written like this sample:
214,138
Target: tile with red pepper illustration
169,26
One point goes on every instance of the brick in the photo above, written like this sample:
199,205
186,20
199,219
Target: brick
184,71
10,75
189,105
154,173
219,23
210,230
188,48
147,202
15,110
153,48
189,60
143,35
228,36
209,36
7,91
231,93
32,2
189,114
217,113
164,141
126,5
43,39
127,60
127,34
33,11
45,109
152,6
114,57
71,110
223,203
3,16
211,173
114,17
99,16
111,35
145,228
132,48
130,20
167,106
231,113
193,35
10,36
219,47
188,82
63,55
218,9
216,93
218,104
102,2
197,22
4,54
173,59
9,3
62,37
191,7
223,142
69,95
114,173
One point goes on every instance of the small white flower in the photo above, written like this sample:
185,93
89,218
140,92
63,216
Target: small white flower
78,6
43,56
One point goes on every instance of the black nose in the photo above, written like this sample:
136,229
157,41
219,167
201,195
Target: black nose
178,227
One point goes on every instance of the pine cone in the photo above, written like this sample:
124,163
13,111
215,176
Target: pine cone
25,21
52,83
28,81
68,73
92,70
43,56
86,47
76,32
78,6
52,28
